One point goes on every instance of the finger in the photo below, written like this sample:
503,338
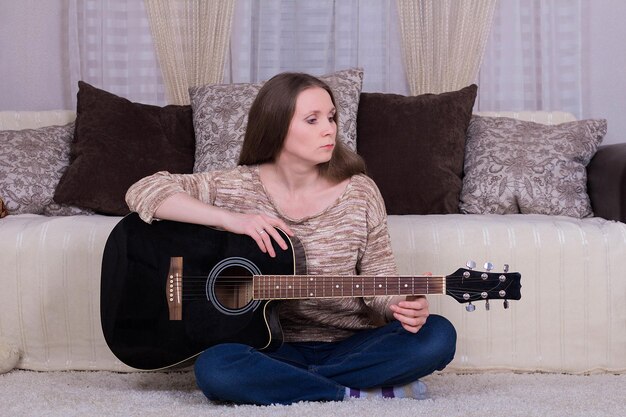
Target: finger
412,329
283,226
259,234
273,232
279,224
267,241
266,220
417,303
411,324
265,234
259,240
409,312
276,222
410,308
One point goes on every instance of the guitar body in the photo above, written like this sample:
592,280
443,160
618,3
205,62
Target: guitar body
217,275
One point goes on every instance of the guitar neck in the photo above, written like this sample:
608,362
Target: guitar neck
268,287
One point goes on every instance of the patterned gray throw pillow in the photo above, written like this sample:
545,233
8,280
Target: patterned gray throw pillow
31,164
220,116
514,166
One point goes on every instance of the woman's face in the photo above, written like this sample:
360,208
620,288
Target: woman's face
312,131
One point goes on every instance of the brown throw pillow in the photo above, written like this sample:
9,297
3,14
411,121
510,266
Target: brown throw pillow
414,148
118,142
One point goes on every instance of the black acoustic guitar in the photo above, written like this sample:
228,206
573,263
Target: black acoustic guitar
170,290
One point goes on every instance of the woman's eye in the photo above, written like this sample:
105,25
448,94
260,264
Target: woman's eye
331,119
311,121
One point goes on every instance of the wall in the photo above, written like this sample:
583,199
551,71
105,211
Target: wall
30,35
606,96
31,55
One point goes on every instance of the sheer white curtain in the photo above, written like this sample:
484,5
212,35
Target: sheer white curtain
443,42
533,58
317,37
110,47
191,37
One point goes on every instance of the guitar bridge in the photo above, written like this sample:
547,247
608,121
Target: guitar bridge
174,288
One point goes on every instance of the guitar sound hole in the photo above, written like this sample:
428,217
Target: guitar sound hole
233,287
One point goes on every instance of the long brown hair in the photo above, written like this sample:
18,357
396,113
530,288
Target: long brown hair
269,119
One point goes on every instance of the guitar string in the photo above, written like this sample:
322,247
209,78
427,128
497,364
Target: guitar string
289,279
330,293
244,278
325,285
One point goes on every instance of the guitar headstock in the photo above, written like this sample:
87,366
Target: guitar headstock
467,285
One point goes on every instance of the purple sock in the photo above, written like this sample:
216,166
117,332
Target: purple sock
415,390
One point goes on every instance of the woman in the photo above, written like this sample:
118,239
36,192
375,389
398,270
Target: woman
295,175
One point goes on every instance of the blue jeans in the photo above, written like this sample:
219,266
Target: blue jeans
319,371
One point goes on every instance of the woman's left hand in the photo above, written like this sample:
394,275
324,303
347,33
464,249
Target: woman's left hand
411,313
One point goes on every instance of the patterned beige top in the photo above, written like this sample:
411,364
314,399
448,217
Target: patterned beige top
349,237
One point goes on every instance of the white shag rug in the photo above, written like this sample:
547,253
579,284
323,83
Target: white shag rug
81,393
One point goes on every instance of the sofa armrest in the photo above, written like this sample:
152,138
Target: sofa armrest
606,182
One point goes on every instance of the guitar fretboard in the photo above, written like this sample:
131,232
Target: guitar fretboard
268,287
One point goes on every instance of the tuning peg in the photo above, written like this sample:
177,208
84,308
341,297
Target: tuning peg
506,304
506,268
470,264
487,305
488,266
470,307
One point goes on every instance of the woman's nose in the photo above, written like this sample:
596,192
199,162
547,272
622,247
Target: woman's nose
330,128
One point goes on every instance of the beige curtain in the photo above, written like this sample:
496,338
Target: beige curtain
191,38
443,42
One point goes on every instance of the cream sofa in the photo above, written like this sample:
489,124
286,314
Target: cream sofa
571,318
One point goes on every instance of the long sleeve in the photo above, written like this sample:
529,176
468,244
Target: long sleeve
147,194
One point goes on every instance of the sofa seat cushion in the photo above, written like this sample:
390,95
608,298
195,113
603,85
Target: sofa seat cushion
570,318
572,315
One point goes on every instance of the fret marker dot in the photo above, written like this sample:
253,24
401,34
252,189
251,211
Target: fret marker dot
311,294
380,285
406,285
278,286
337,286
357,285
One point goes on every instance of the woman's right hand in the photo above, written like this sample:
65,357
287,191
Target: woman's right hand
184,208
261,227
